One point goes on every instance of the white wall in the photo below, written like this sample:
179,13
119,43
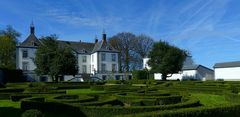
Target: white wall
145,65
189,72
94,62
176,76
81,63
228,74
108,61
29,59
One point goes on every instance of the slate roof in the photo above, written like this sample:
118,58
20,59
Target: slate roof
31,41
79,47
194,67
103,46
227,64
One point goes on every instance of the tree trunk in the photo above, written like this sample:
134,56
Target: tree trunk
164,77
52,78
56,78
127,60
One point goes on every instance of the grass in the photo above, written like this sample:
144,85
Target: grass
82,91
210,99
9,103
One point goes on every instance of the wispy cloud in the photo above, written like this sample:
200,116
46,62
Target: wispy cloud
72,18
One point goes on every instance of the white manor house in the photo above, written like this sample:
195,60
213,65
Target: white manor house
98,59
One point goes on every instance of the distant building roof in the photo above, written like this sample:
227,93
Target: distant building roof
104,46
31,41
194,67
79,47
227,64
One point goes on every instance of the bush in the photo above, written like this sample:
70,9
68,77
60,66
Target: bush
97,87
32,113
8,75
11,90
140,74
114,82
226,111
17,97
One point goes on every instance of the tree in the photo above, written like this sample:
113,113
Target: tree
132,49
166,59
54,60
142,46
123,42
11,33
8,40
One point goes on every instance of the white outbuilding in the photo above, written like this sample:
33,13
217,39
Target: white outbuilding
227,71
197,72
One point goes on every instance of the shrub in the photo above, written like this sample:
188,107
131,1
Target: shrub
97,87
32,113
140,74
114,82
11,90
17,97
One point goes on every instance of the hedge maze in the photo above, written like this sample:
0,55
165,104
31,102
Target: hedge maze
136,98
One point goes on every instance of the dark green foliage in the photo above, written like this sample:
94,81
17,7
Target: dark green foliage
140,74
161,98
32,113
17,97
166,59
8,41
54,60
97,87
11,90
10,112
226,111
11,75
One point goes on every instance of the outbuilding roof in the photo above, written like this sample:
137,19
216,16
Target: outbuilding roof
194,67
227,64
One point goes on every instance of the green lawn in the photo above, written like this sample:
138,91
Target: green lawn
210,99
9,103
82,91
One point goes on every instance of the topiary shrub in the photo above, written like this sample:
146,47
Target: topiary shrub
32,113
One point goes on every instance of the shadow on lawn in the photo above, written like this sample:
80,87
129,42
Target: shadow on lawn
10,112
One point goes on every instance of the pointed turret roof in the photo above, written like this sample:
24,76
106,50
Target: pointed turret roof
31,40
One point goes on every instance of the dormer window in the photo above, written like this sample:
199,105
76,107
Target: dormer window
33,44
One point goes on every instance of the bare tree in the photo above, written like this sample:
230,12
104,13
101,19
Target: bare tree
132,49
124,43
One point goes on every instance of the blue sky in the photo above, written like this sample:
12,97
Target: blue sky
209,29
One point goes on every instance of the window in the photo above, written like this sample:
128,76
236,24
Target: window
25,54
84,59
113,57
103,67
84,69
103,56
25,66
113,67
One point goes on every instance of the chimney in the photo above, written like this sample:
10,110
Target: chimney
104,36
32,28
96,39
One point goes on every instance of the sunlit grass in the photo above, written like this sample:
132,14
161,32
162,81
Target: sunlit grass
9,103
210,99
